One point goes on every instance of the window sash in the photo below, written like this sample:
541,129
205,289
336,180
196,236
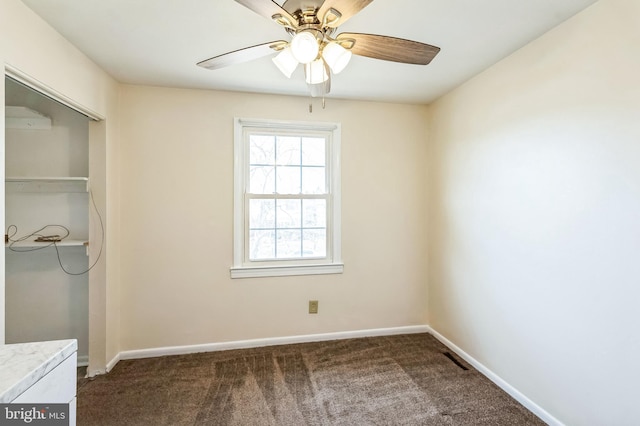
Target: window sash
324,135
311,259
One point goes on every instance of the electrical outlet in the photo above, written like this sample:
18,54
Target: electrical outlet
313,306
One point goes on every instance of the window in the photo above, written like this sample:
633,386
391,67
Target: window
286,198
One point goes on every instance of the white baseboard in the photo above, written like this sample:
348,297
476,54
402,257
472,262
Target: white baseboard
256,343
515,394
105,370
113,362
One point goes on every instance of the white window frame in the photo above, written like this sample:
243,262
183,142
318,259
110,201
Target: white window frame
242,266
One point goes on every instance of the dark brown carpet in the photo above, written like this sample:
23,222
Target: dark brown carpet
393,380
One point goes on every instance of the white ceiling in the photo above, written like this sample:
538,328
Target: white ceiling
158,42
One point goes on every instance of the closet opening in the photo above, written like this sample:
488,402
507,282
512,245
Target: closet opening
49,213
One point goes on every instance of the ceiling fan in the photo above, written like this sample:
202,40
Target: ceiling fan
311,25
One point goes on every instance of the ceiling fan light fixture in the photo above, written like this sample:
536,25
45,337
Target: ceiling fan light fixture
336,56
304,47
286,62
316,72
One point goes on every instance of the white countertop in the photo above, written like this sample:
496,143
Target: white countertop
23,364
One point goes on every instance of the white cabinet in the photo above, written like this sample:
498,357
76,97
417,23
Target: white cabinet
57,386
40,373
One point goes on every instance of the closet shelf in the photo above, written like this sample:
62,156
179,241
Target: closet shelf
28,246
34,244
46,184
19,117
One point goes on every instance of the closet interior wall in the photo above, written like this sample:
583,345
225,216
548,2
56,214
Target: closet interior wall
46,183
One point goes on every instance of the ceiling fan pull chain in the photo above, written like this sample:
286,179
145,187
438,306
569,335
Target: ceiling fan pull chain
324,92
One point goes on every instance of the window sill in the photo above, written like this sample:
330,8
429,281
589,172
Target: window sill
283,271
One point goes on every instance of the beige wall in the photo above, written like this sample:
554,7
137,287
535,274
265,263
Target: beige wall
177,218
31,47
535,191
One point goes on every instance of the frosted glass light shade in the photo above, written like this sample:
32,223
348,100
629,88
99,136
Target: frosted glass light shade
336,56
304,47
286,62
316,72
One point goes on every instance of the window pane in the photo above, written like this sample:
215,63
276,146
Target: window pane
313,180
313,153
314,243
262,180
288,180
262,149
289,213
288,150
289,243
314,214
262,245
262,214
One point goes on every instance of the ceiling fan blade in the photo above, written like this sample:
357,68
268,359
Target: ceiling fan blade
242,55
268,9
390,48
347,9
